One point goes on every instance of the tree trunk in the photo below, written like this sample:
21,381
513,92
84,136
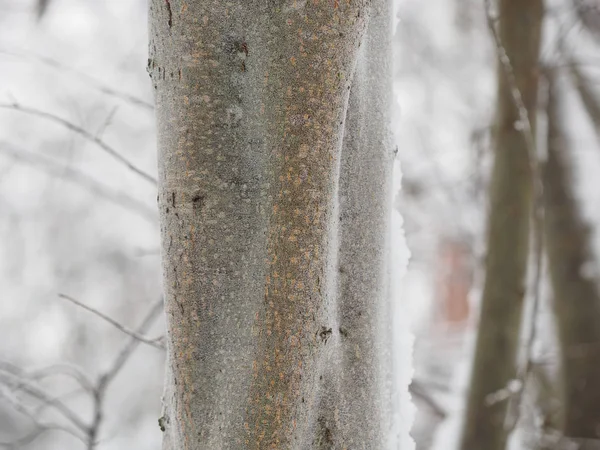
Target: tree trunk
251,98
576,298
508,230
356,409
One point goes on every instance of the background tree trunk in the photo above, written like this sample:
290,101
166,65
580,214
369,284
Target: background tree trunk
251,98
519,29
576,298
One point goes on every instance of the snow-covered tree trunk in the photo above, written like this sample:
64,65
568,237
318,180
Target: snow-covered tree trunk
519,31
356,408
251,100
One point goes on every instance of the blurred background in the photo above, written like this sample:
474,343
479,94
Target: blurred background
77,227
74,221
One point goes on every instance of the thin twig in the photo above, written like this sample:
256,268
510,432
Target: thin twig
420,392
63,369
18,406
106,122
62,397
81,179
19,380
88,79
538,213
154,342
40,427
21,384
126,351
84,133
18,444
118,363
44,372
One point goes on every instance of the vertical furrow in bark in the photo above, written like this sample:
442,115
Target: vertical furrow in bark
356,403
313,56
576,298
494,365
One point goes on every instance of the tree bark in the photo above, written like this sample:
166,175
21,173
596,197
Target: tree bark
356,405
576,299
494,364
251,99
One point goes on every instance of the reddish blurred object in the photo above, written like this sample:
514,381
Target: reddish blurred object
454,279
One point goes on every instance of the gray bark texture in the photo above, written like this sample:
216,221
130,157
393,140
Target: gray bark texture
576,299
519,30
356,409
251,104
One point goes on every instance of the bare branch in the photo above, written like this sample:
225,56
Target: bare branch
21,384
588,95
106,122
154,342
61,397
105,380
524,123
420,392
65,370
53,370
89,80
19,443
40,426
588,12
85,134
128,349
19,380
81,179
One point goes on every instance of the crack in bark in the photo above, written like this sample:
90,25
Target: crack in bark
168,3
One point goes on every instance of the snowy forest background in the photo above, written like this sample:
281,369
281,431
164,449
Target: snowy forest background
76,225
